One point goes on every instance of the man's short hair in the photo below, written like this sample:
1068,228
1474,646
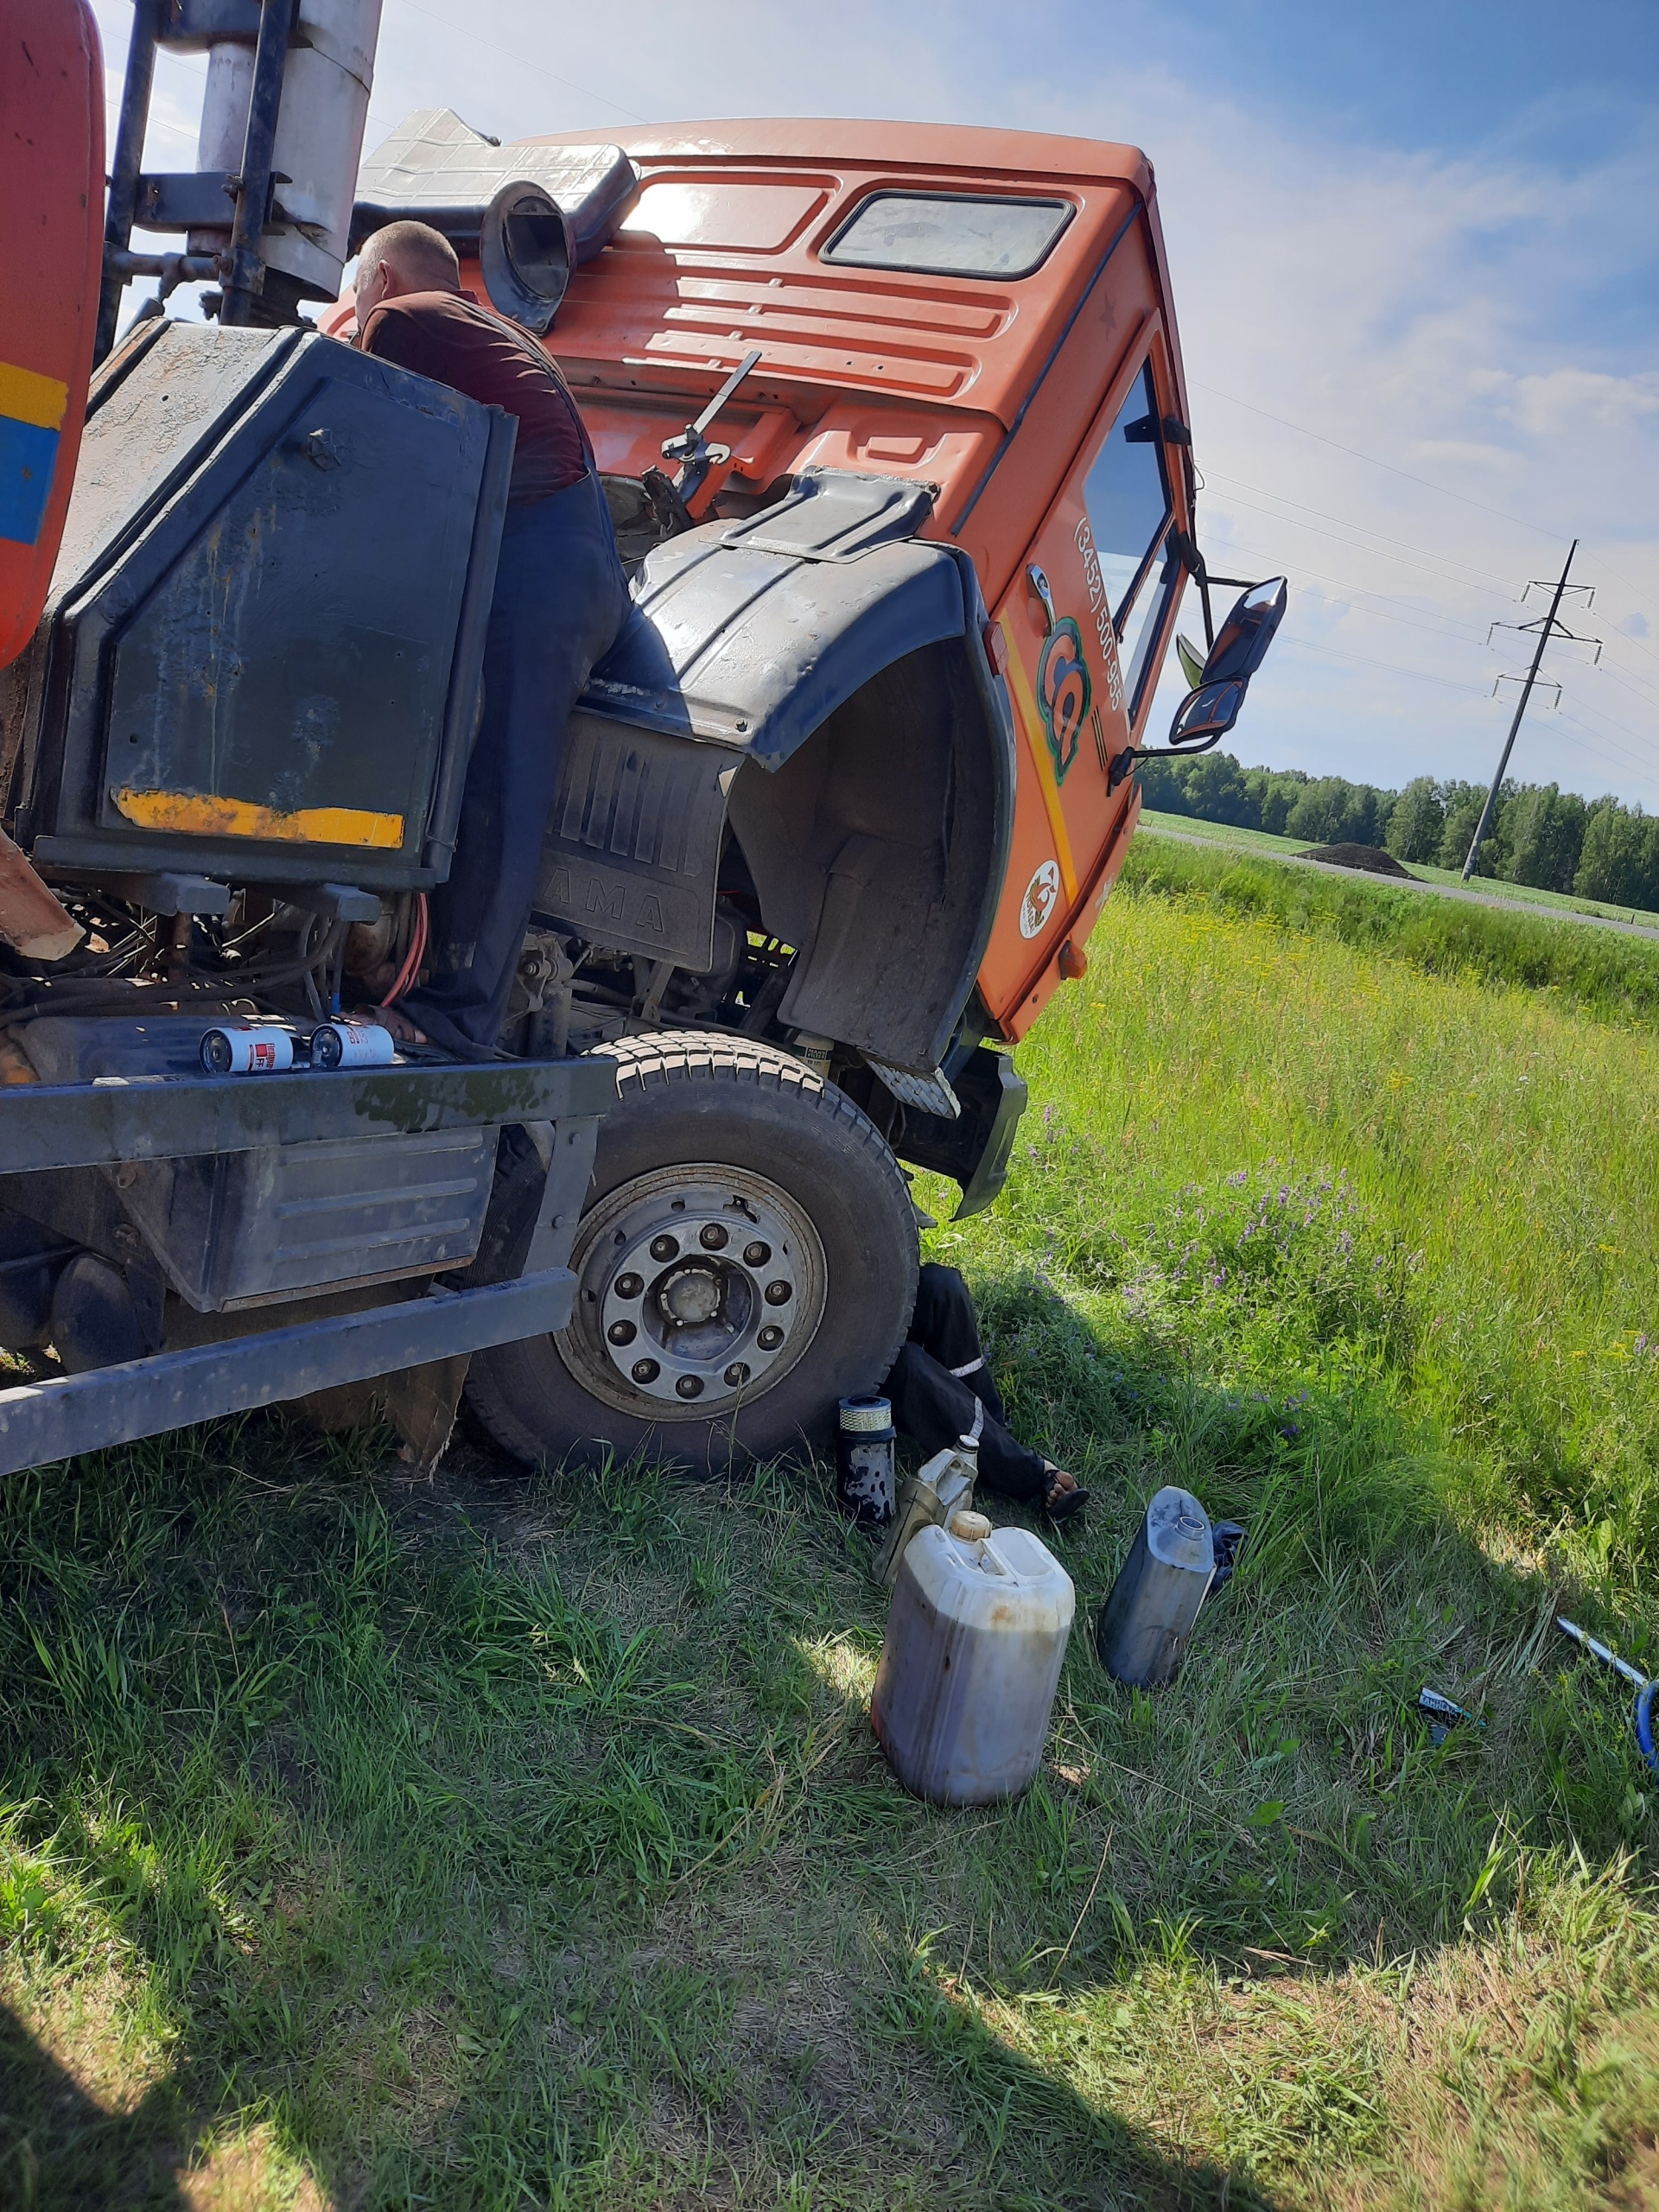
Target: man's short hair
422,258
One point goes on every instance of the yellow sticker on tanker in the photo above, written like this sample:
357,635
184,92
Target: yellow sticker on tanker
204,814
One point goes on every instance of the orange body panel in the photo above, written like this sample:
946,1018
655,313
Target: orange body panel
996,391
51,247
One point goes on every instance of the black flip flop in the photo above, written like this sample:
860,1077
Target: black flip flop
1067,1504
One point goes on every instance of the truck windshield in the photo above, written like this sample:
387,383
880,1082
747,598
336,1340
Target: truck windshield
949,234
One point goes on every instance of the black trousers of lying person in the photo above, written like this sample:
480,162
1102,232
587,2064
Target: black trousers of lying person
941,1389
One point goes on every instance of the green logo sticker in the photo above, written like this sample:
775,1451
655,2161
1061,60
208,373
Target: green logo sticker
1062,693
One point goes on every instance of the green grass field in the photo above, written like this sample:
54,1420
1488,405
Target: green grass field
1522,895
492,1843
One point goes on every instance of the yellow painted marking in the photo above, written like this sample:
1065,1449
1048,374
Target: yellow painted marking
1024,700
197,815
28,396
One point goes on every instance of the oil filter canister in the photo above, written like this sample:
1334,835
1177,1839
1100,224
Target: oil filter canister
244,1048
1145,1624
865,1439
353,1045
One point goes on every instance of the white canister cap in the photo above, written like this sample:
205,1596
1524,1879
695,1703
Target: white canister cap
969,1528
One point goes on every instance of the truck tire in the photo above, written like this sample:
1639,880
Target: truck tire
746,1256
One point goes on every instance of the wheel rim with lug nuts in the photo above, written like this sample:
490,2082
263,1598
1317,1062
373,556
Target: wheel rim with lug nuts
697,1288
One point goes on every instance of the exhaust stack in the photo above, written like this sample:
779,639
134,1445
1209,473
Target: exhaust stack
323,105
268,209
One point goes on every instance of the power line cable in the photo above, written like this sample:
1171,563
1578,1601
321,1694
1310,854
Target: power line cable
1259,553
1377,551
1428,484
1428,553
1601,715
1476,634
1363,660
1586,738
1626,684
1449,683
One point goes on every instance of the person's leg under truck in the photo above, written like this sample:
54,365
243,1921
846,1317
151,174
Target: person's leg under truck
561,599
941,1387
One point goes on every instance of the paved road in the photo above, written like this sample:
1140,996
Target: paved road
1524,906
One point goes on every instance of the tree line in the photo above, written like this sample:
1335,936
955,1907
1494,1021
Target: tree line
1540,835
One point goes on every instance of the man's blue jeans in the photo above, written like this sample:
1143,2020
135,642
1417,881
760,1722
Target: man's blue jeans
561,599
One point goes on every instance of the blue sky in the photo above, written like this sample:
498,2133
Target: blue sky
1415,251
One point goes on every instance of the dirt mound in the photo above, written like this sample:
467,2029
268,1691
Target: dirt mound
1369,857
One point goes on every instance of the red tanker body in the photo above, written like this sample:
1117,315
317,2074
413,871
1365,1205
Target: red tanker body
52,189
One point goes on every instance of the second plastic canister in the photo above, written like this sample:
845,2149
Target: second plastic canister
972,1658
1144,1625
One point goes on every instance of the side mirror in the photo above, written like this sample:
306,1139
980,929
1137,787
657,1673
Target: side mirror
1242,642
1207,713
1211,709
1218,683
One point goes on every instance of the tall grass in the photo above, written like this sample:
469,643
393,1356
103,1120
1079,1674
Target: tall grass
1595,970
1470,1226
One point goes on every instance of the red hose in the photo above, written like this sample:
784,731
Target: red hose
411,967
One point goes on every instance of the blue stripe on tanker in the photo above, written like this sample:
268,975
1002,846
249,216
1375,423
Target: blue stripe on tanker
29,455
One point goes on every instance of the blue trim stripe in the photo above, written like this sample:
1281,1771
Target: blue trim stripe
29,455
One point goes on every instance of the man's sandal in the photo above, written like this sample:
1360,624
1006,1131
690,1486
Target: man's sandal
1061,1504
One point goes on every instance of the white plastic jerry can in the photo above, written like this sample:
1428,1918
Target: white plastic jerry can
972,1658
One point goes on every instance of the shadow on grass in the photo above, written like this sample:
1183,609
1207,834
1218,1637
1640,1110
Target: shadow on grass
58,2146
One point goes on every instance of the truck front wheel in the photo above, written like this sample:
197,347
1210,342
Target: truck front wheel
747,1256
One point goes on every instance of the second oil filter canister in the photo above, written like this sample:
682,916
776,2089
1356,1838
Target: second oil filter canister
353,1045
865,1441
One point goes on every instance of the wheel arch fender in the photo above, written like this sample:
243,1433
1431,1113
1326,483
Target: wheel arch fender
828,668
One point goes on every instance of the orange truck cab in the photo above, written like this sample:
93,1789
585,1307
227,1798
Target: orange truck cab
986,314
983,315
892,426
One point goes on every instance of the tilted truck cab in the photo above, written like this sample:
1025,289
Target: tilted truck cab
836,816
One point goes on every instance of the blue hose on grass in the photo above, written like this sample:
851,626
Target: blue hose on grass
1644,1687
1644,1723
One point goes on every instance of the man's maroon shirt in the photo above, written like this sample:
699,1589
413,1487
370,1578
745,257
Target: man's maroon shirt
452,340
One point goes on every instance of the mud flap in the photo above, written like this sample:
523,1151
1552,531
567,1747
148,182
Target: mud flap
422,1403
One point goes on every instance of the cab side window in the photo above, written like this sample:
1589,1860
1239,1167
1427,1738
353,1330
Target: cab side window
1130,509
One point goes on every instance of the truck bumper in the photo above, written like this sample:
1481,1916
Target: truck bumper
107,1123
45,1422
